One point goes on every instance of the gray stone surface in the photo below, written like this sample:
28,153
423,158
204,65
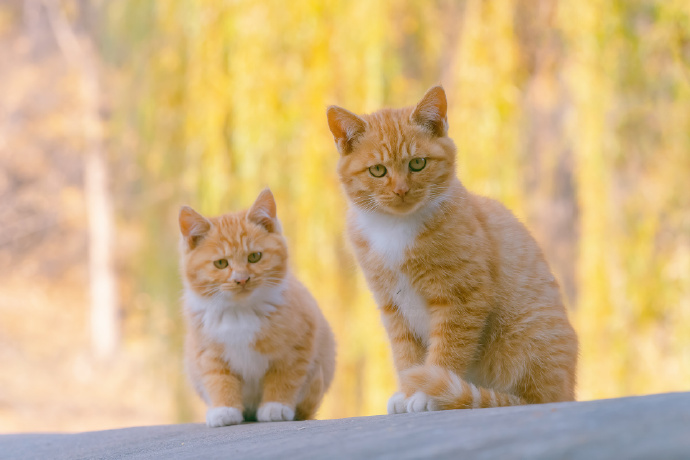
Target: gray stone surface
647,427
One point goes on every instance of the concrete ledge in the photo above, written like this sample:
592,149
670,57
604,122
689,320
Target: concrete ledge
645,427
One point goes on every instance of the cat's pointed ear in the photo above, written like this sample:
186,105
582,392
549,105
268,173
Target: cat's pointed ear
193,226
430,112
263,211
345,126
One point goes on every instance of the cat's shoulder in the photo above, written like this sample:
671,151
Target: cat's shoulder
494,211
298,298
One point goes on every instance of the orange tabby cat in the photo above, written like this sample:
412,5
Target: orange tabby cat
473,313
258,347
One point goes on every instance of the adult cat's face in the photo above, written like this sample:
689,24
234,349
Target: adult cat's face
233,255
395,161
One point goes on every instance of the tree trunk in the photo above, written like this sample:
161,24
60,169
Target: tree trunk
104,313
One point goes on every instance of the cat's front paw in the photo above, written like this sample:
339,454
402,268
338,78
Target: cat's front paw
275,412
223,416
396,404
421,402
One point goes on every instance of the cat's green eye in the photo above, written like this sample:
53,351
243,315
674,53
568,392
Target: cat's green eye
378,171
417,164
220,263
254,257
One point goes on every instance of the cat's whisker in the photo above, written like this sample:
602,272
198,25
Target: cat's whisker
368,204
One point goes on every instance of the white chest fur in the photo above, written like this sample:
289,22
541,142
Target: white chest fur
237,331
391,237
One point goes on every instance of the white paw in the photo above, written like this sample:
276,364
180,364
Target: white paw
275,412
223,416
396,405
421,402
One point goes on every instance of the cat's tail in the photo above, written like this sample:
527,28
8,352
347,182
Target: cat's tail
452,392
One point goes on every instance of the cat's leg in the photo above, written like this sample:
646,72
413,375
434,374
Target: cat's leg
282,382
455,331
223,388
454,338
549,368
537,357
448,391
408,351
306,409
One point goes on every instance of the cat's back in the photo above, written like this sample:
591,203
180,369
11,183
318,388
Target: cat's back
519,265
299,298
507,234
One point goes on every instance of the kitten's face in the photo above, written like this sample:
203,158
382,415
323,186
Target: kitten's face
394,161
234,255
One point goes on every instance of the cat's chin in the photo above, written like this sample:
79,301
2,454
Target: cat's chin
239,295
401,209
251,294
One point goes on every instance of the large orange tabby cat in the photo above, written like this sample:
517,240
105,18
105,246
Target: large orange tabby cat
473,313
258,347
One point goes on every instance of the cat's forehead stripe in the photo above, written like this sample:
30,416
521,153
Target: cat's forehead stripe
401,139
404,150
384,152
394,144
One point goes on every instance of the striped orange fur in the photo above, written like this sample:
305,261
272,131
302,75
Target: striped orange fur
473,313
258,347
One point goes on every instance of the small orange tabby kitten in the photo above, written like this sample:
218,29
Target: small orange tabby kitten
257,347
473,313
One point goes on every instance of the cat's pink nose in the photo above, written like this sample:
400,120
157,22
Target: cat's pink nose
242,281
401,190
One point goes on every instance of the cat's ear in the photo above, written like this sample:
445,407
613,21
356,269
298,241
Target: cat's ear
193,226
345,126
263,211
430,112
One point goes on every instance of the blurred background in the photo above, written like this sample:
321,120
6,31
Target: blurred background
114,113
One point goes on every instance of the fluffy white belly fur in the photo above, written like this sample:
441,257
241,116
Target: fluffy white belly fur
237,332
